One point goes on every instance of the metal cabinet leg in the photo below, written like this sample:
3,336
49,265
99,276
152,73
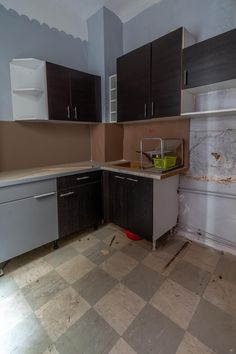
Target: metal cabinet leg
154,244
55,245
1,272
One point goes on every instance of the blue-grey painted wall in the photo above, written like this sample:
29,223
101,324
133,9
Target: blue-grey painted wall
96,55
203,18
21,37
113,41
105,44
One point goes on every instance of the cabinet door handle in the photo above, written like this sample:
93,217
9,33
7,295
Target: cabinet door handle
40,196
68,112
132,180
66,194
145,110
76,113
152,113
119,177
81,178
185,77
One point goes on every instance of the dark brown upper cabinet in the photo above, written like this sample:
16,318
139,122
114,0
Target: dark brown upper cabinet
166,61
210,61
58,87
73,95
133,85
149,79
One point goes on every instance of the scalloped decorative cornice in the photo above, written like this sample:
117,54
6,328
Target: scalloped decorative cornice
70,16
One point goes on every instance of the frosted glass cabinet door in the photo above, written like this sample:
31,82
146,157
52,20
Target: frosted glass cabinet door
27,224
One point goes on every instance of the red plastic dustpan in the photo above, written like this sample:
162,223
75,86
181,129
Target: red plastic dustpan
132,236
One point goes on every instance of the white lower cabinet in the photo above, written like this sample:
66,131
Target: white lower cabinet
28,222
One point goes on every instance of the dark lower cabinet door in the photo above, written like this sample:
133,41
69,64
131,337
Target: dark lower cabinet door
58,87
140,206
133,85
90,204
210,61
85,96
117,199
166,75
68,212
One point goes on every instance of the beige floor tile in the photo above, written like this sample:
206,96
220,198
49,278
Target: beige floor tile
222,294
51,350
119,307
119,242
122,347
203,257
30,272
13,310
75,269
158,260
62,312
85,242
119,265
191,345
176,302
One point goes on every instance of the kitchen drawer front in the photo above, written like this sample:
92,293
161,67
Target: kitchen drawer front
77,180
27,190
27,224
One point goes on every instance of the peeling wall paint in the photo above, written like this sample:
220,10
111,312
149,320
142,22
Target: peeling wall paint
208,192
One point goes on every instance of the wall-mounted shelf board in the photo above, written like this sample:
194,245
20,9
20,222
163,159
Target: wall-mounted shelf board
29,91
224,85
212,113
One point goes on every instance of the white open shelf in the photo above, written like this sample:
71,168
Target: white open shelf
210,100
29,89
113,99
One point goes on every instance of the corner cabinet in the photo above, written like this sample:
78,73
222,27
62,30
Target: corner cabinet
44,91
149,79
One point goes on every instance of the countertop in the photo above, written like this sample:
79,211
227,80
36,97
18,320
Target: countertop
9,178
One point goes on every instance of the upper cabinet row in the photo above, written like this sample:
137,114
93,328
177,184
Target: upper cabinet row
173,76
46,91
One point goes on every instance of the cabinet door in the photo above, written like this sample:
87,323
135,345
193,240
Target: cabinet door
58,87
68,212
27,224
210,61
166,75
90,204
86,96
133,85
118,199
140,206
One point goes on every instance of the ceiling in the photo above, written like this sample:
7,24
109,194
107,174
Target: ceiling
70,16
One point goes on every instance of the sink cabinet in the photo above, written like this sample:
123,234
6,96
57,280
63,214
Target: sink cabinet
145,206
79,202
131,203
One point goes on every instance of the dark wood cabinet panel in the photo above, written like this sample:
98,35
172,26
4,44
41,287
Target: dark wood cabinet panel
140,206
133,85
210,61
79,206
131,203
118,199
68,212
77,179
58,87
166,75
85,96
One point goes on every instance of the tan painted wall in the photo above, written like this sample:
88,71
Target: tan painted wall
107,142
164,129
26,145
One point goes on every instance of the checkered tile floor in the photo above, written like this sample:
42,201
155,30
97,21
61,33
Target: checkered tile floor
91,297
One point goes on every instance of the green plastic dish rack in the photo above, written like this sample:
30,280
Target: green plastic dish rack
165,162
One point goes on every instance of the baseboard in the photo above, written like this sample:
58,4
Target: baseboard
206,239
